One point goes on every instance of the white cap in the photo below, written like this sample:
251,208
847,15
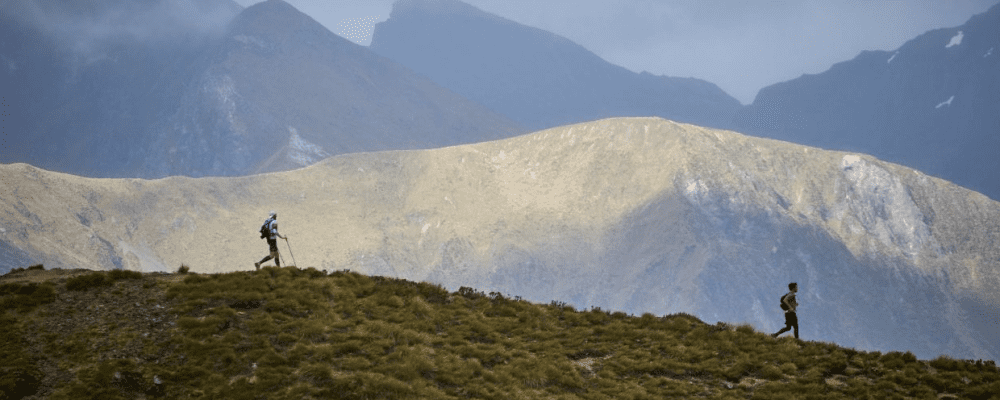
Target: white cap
274,213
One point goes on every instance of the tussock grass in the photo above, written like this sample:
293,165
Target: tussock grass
291,333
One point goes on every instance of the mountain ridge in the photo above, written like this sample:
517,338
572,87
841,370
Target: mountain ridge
293,333
640,215
930,104
270,89
536,78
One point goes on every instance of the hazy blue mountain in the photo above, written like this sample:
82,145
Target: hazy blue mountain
87,78
204,87
536,78
933,104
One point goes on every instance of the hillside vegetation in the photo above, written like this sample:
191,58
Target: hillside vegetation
298,334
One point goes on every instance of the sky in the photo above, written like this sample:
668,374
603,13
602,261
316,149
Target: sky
741,46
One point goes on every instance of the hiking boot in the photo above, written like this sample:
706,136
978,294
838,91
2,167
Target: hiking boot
257,265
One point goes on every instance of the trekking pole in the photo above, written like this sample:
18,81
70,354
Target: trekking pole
290,252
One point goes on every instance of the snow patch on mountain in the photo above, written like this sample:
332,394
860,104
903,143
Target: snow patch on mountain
955,40
945,103
988,52
893,57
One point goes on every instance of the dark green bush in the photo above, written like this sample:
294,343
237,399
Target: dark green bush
945,363
434,294
25,297
195,279
897,360
91,280
36,267
835,363
183,269
120,274
771,372
470,293
19,375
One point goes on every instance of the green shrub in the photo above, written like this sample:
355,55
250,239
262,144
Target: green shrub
120,274
25,297
470,293
18,381
746,329
945,363
88,281
36,267
789,368
433,293
744,367
194,280
19,375
771,372
896,360
183,269
835,363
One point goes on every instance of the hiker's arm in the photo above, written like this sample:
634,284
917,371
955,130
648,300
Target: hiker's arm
274,230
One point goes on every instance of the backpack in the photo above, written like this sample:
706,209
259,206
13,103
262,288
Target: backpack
783,305
265,230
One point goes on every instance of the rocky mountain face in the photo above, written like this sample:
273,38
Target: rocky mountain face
933,104
261,89
536,78
640,215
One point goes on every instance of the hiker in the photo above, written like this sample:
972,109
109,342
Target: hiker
269,231
789,304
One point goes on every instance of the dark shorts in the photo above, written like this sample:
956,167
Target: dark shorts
274,244
791,319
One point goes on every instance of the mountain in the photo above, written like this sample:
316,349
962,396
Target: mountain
536,78
88,78
637,215
932,104
264,89
295,333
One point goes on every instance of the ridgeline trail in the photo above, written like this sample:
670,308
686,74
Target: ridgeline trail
303,333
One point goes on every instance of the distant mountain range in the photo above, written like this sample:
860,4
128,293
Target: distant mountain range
237,91
536,78
266,89
932,104
638,215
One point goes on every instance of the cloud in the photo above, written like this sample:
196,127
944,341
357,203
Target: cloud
85,26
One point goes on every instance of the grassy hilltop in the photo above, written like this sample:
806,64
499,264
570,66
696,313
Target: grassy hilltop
299,334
